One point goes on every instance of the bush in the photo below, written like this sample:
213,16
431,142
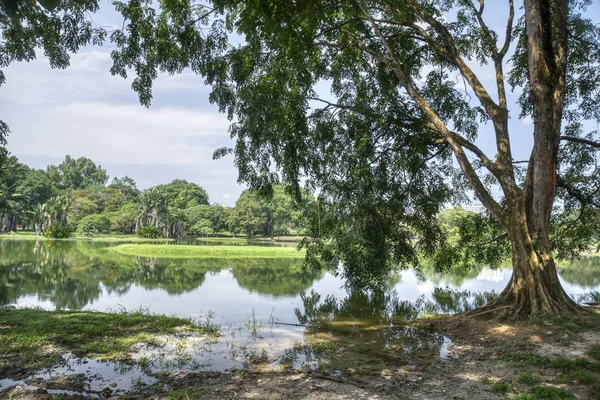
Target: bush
93,223
58,231
148,232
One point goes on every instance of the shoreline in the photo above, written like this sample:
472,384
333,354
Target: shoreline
554,359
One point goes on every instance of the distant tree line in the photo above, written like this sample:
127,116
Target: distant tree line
76,196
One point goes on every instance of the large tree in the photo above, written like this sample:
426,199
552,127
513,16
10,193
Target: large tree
180,193
397,136
77,173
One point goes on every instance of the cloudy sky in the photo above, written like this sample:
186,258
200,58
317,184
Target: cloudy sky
84,111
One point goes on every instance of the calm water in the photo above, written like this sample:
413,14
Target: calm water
85,275
257,302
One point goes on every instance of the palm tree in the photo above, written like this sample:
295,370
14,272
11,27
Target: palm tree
153,209
175,223
39,217
57,208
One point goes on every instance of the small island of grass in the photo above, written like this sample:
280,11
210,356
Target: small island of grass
190,251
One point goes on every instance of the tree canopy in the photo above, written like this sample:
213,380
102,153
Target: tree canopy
30,198
396,137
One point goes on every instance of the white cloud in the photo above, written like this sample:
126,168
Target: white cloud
122,133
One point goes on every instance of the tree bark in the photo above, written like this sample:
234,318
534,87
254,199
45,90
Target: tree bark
534,288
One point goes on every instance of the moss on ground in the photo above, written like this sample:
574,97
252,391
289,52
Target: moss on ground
31,338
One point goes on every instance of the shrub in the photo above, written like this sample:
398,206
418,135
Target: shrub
58,231
93,223
148,232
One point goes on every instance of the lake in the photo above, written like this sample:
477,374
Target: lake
270,309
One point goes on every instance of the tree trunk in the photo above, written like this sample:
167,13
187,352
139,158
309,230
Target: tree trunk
534,288
9,223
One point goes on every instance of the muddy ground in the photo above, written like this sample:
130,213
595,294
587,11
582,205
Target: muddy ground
490,360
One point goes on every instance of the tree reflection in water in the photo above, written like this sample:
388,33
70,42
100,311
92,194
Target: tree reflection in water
370,330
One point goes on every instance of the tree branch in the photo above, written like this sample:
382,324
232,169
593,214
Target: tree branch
454,141
580,140
576,193
509,29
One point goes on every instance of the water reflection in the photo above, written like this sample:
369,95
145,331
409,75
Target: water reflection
79,274
73,275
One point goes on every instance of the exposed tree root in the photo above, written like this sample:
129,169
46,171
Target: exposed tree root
518,303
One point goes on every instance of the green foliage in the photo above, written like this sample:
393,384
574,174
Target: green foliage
529,379
124,219
584,377
148,232
58,231
201,220
469,237
594,352
93,223
127,187
501,387
567,364
528,359
77,173
82,205
183,194
552,393
114,199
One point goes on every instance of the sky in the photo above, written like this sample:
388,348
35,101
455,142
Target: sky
85,111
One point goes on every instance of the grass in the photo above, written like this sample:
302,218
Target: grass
31,338
105,237
526,359
552,393
187,251
567,364
594,352
529,379
584,377
501,387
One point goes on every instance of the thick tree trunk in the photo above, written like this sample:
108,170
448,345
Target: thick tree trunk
534,288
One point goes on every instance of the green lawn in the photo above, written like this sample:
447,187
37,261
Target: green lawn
186,251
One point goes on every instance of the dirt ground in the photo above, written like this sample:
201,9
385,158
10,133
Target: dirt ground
480,368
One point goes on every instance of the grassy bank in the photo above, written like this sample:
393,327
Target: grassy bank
36,338
186,251
104,237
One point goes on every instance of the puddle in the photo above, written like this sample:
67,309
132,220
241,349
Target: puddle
88,376
358,347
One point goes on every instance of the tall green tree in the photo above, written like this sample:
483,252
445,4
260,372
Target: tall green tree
384,145
37,187
126,186
77,173
180,193
153,209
